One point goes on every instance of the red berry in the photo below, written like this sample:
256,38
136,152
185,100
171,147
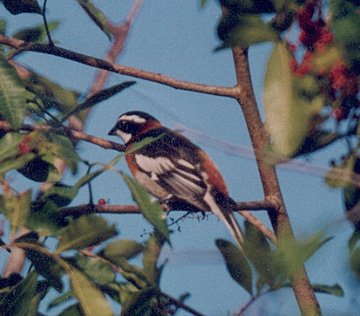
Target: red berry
292,48
340,113
24,148
101,202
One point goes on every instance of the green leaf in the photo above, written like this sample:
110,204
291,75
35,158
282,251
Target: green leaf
152,211
47,267
98,97
290,257
138,304
335,289
73,310
2,27
133,274
96,269
343,175
16,302
84,231
11,155
203,3
290,103
236,264
17,208
41,291
244,30
45,218
51,94
91,300
120,249
12,94
258,251
151,255
61,299
22,6
36,33
97,16
62,195
248,6
346,28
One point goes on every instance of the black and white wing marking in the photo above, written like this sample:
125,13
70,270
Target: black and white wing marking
177,176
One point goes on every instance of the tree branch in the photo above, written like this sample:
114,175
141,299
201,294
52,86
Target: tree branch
133,209
117,68
304,294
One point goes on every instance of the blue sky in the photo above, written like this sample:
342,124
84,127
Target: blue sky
177,38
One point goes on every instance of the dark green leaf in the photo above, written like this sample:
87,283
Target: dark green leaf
47,267
244,30
39,170
36,33
121,249
17,301
65,297
45,218
73,310
22,6
248,6
346,28
96,15
152,211
12,94
92,301
335,289
138,304
85,231
41,291
318,139
99,97
236,264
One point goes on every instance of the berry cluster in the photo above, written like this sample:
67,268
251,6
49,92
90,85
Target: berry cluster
315,38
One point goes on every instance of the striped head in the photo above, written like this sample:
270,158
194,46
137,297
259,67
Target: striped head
131,124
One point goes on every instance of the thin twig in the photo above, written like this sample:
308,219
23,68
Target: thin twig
182,305
43,13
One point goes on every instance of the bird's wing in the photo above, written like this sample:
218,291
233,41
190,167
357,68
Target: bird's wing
178,176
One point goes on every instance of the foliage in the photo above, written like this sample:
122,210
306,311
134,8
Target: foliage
311,98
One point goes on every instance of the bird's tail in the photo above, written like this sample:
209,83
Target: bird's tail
223,208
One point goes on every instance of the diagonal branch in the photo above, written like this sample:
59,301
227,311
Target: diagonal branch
117,68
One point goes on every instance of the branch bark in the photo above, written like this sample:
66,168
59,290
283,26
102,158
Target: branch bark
304,294
116,68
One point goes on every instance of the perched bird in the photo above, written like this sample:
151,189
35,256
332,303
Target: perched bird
173,169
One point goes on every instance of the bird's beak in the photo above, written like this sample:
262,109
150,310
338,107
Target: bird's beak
112,132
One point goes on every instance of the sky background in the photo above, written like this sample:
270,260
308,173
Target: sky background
176,38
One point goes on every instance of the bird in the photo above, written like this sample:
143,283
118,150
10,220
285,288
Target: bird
173,169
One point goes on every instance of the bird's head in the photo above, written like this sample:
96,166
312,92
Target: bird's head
131,124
